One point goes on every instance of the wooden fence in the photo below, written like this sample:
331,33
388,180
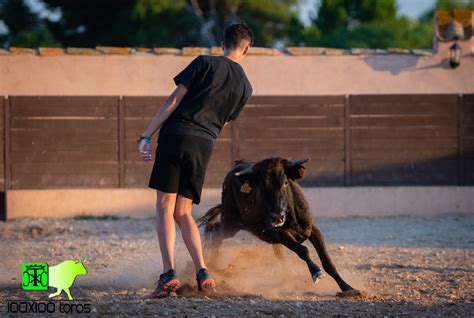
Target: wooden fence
57,142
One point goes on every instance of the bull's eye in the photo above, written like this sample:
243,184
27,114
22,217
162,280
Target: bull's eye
285,183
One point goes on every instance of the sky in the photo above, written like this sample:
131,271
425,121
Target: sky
410,8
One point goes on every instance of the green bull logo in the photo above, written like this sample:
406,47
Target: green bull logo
39,276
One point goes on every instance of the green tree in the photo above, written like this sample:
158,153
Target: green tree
368,24
168,22
25,28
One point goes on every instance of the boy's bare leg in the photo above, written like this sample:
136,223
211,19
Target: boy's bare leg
189,230
165,227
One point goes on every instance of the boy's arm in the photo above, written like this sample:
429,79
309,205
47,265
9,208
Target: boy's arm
165,110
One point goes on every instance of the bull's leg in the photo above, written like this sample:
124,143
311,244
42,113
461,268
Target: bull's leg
317,240
302,251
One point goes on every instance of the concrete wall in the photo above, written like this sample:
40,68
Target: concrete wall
270,75
325,202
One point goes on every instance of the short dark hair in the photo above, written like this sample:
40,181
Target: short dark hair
235,33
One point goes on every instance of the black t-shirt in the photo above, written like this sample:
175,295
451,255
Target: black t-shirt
217,91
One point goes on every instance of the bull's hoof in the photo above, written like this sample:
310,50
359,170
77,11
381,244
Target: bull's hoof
353,293
316,277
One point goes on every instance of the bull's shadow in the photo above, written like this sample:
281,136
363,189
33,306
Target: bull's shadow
434,172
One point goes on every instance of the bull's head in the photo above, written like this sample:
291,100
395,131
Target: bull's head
271,178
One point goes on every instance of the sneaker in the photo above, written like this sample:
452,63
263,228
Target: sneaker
166,285
205,281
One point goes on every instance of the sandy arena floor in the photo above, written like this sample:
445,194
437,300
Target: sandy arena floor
410,266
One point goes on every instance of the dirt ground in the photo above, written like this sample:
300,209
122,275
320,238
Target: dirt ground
409,266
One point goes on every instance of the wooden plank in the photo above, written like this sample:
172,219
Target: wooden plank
292,145
408,109
7,143
467,141
3,201
69,181
404,132
2,149
282,100
134,127
404,99
102,106
66,167
429,121
403,155
63,155
35,141
101,126
315,134
121,141
433,165
404,143
109,147
291,123
293,110
347,142
140,106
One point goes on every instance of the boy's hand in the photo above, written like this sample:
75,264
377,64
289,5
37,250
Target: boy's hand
144,148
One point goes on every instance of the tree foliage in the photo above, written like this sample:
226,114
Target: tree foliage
177,23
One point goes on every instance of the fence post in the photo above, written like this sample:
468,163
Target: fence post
347,142
461,180
7,161
121,141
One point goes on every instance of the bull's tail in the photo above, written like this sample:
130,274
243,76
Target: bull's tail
210,218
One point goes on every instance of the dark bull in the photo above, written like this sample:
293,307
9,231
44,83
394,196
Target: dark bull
264,199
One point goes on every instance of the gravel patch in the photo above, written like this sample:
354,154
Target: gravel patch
409,266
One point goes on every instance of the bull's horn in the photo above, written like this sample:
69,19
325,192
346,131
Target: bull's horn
245,171
298,162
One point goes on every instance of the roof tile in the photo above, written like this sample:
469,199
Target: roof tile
22,50
422,52
50,51
216,50
330,51
263,51
195,50
114,50
298,51
166,51
82,51
398,51
364,51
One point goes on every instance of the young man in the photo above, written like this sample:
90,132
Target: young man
210,92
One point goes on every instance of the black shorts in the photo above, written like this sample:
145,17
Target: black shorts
180,165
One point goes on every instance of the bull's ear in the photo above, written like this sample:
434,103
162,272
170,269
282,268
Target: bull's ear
295,172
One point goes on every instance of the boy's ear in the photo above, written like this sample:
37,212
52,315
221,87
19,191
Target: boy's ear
295,172
245,50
